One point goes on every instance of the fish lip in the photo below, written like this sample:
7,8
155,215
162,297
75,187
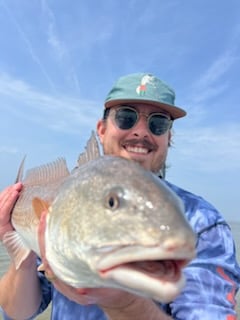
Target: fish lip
162,289
152,272
125,254
164,270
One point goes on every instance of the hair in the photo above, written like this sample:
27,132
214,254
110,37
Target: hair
105,113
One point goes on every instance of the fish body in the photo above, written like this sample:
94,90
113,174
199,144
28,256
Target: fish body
111,224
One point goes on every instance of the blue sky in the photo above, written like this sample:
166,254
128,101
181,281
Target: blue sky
58,59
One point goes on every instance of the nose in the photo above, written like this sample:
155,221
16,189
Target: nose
141,127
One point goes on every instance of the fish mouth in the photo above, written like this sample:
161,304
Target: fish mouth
150,272
166,270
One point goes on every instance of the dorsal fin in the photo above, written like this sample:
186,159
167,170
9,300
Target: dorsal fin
47,173
20,170
91,152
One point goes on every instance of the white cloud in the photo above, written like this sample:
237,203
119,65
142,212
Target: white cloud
53,37
7,150
213,82
29,47
218,68
209,149
58,113
58,46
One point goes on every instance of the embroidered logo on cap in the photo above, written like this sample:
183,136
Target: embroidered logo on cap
142,88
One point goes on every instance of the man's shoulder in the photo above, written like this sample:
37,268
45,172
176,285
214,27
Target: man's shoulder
200,213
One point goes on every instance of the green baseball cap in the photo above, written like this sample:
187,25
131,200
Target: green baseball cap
144,88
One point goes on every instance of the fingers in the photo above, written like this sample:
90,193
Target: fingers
84,296
41,233
41,241
77,295
8,197
50,277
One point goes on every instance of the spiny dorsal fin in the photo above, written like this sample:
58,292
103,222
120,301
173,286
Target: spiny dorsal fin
39,205
47,173
91,152
20,171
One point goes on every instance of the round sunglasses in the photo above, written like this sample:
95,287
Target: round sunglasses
126,117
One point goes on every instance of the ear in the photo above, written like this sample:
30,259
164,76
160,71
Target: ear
39,206
101,128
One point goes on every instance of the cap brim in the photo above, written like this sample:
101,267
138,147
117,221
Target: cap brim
175,112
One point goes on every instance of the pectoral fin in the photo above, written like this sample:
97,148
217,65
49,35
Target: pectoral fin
16,248
39,205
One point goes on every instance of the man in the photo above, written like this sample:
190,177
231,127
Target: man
137,121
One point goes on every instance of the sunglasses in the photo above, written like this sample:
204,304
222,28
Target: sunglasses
127,117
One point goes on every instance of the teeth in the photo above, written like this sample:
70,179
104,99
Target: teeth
137,150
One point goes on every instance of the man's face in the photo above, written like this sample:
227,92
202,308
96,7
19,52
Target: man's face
136,143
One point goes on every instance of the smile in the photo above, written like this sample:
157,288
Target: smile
140,150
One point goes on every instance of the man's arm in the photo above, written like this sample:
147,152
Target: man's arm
20,293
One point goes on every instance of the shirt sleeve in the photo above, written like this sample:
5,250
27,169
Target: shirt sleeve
212,279
46,292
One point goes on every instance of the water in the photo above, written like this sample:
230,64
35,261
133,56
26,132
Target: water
4,260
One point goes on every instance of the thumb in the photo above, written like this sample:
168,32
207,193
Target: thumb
41,233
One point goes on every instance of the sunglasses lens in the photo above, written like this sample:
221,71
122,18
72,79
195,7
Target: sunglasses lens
125,118
158,124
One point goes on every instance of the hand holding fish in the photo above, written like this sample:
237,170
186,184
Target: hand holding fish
8,197
114,302
105,297
68,291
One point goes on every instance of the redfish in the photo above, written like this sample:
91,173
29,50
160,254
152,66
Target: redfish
111,224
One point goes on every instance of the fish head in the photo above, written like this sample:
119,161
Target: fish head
114,224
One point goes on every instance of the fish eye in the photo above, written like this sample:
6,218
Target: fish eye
112,201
